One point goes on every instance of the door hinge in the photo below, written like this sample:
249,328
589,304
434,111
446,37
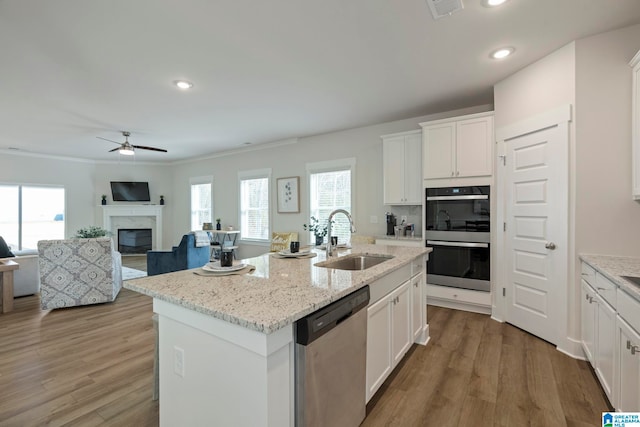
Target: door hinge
504,292
504,159
504,226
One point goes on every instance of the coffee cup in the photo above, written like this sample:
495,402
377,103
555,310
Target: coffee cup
294,247
226,259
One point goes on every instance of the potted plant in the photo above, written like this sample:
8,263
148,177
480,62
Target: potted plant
318,230
104,199
218,226
91,232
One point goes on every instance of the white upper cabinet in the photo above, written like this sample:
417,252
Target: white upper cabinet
458,147
635,125
402,168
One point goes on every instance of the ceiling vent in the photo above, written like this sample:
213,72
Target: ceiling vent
441,8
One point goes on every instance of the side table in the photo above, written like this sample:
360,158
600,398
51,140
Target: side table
7,267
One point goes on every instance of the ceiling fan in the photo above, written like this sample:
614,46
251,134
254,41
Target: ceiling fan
128,149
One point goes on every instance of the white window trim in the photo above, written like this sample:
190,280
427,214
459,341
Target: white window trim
196,180
255,174
348,163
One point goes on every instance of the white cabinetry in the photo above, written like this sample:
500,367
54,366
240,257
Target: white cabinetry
458,147
598,316
635,125
396,319
418,303
388,336
627,354
400,322
402,168
628,367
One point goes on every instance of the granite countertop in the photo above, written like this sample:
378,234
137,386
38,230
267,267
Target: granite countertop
279,291
613,267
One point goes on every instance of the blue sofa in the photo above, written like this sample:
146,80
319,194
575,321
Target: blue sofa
182,257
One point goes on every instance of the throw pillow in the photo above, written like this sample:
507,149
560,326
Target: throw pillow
5,252
280,241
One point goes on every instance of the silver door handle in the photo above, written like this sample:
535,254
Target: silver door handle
550,245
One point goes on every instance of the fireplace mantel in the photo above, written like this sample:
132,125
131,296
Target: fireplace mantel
111,211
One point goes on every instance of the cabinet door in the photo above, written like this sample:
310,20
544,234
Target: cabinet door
418,307
605,345
400,322
393,159
628,370
378,344
439,147
413,169
587,324
474,143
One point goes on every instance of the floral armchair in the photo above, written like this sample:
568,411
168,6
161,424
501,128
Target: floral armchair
78,272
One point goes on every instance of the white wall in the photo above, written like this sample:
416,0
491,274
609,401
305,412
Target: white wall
591,74
607,219
289,159
77,177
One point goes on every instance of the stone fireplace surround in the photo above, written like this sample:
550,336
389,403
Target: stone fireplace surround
134,216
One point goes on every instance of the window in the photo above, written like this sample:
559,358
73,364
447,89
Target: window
31,213
254,205
330,189
201,201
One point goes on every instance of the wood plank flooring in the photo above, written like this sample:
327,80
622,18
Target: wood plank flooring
476,371
92,365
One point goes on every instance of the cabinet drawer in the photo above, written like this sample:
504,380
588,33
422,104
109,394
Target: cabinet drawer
629,309
606,289
388,283
417,265
588,274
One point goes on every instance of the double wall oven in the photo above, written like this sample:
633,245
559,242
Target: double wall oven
458,229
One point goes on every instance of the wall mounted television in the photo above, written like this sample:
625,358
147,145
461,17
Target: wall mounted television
130,191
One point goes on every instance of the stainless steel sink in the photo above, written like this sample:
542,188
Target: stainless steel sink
354,261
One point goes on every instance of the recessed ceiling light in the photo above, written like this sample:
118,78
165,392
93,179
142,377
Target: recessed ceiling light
183,84
492,3
247,143
501,53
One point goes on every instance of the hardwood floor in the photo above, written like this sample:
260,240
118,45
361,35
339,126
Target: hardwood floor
476,371
92,365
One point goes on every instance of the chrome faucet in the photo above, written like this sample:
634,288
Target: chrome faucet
331,215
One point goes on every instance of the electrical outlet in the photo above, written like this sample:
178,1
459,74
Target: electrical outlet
178,361
373,219
403,218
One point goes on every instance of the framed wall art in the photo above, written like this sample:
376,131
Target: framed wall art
289,195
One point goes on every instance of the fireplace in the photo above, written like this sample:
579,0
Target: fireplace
134,240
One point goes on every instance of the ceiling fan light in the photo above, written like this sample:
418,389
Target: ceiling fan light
126,151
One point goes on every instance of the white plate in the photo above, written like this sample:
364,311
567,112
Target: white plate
289,254
215,266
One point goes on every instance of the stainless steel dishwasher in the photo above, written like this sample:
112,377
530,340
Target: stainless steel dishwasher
330,354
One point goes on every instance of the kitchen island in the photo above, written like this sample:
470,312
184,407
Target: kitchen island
226,344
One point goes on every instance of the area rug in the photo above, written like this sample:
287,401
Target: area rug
132,273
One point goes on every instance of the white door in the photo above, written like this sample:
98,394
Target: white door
400,323
536,215
378,345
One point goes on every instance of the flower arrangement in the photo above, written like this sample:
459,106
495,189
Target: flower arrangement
92,232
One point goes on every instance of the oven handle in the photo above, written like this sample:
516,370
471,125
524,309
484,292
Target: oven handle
458,244
475,197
